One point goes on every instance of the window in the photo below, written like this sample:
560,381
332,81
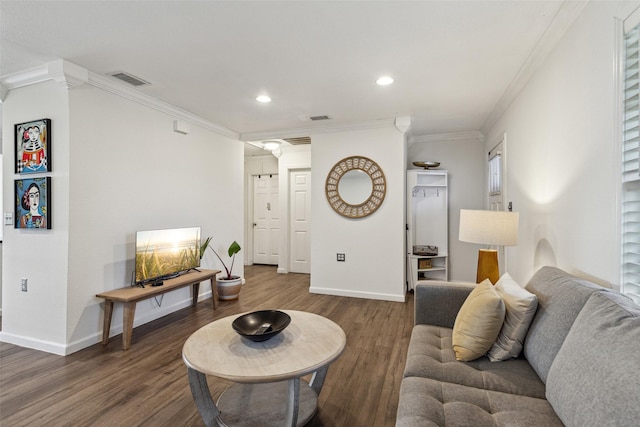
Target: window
495,175
631,167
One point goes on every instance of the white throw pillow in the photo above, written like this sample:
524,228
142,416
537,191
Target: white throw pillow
521,306
478,322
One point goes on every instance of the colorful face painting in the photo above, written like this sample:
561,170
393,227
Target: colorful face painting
32,208
33,146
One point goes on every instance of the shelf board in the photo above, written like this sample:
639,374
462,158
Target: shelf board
427,256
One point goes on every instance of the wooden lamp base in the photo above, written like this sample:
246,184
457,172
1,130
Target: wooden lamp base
488,266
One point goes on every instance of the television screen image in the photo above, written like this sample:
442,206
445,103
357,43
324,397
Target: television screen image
161,254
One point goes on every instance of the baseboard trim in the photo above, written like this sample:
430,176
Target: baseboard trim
36,344
357,294
82,343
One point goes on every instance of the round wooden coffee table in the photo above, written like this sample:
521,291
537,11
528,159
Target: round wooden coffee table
267,374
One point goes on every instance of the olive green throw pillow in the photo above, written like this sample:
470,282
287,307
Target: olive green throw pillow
478,322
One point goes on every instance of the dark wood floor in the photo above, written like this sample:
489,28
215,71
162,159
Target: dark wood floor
147,385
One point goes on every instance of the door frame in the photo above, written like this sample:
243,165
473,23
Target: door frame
251,214
502,139
290,171
248,219
285,207
248,240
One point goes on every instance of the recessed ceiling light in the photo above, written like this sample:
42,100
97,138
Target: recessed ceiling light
263,98
384,80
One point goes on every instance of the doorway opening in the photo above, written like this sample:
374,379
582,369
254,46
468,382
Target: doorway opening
266,219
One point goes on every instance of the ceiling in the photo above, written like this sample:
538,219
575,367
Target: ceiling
454,62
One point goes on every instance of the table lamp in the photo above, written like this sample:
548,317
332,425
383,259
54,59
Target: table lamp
493,228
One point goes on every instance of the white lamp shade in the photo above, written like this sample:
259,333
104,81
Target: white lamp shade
489,227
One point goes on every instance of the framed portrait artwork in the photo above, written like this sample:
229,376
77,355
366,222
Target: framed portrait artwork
32,199
33,146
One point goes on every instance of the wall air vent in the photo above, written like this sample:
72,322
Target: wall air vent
316,118
301,140
129,78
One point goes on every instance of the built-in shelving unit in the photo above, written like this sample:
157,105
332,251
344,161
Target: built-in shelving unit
427,225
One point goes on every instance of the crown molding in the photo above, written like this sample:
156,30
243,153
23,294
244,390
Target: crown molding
403,123
71,75
459,136
567,14
63,72
26,78
3,92
257,157
67,73
626,10
310,130
116,88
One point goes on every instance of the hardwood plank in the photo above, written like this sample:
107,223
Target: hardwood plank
147,384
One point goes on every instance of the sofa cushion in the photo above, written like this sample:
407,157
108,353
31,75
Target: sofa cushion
561,296
426,402
605,343
478,322
430,355
520,307
438,303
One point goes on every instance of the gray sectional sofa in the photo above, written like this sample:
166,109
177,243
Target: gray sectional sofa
580,365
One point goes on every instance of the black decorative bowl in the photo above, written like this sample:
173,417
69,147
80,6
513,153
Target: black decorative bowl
261,325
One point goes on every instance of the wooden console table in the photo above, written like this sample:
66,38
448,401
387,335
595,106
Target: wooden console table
130,296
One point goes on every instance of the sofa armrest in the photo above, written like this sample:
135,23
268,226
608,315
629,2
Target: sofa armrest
437,303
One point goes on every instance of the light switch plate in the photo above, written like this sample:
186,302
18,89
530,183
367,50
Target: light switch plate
8,218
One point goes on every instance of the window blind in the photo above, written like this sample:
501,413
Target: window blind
631,168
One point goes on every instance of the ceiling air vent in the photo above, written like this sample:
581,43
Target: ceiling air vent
316,118
301,140
129,78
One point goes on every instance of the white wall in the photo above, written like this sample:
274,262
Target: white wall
463,156
118,168
563,157
37,318
291,158
0,278
1,210
374,245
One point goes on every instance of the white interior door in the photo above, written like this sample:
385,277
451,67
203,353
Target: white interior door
496,177
498,188
300,215
266,216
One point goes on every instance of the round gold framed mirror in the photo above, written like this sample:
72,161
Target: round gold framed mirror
355,187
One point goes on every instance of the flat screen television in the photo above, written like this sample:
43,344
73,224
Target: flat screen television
162,254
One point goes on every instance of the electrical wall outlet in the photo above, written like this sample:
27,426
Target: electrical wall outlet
24,284
340,257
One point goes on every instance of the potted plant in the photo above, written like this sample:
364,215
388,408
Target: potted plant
228,284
